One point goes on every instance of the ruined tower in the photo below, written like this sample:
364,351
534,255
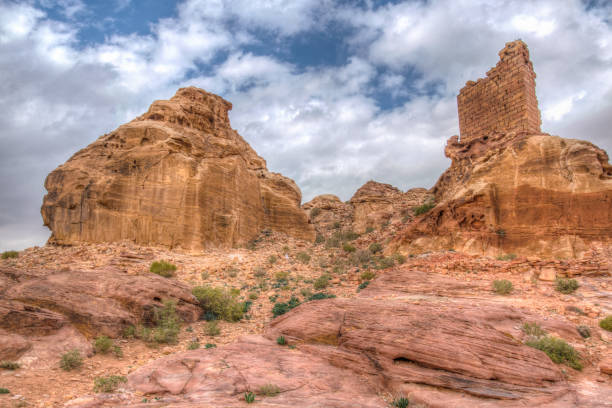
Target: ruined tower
504,101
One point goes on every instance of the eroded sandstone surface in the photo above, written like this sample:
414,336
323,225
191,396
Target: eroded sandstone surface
177,176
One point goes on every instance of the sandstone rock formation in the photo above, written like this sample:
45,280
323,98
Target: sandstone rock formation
372,206
45,313
177,176
511,189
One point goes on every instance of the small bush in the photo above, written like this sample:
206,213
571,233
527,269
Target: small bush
253,295
10,254
282,308
314,212
4,391
506,257
348,235
363,285
401,402
321,282
163,268
319,239
303,257
212,328
399,258
348,247
360,257
281,275
558,351
210,345
249,397
566,286
321,295
71,360
272,259
9,365
533,330
336,225
102,345
218,303
167,324
584,331
375,247
280,340
369,229
367,275
502,287
422,209
269,390
194,345
385,263
129,332
108,384
606,323
332,242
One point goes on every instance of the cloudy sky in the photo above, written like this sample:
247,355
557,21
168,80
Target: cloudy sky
331,93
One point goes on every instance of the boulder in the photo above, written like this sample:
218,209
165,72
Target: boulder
177,176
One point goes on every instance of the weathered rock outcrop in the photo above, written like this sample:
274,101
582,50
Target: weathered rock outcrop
510,190
177,176
44,311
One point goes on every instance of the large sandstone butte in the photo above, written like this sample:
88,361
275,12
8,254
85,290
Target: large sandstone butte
177,176
511,188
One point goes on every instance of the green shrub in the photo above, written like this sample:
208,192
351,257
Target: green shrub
280,340
422,209
4,391
348,247
167,324
386,262
566,286
269,390
194,345
319,239
584,331
9,365
321,295
363,285
502,287
163,268
367,275
321,282
249,397
606,323
558,351
281,275
102,345
282,308
71,360
272,259
218,303
303,257
506,257
129,332
401,402
360,257
336,225
210,345
314,212
108,384
253,295
369,229
10,254
533,330
375,247
212,328
398,258
348,235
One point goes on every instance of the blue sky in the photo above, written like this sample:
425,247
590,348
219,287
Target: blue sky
331,93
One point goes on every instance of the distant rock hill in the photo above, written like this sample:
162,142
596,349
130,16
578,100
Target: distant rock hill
510,187
177,176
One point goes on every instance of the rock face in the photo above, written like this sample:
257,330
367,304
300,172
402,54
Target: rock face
510,190
372,206
44,313
177,176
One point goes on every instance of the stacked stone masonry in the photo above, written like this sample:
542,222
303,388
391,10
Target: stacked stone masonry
504,101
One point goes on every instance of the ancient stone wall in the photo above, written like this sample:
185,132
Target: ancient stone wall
504,101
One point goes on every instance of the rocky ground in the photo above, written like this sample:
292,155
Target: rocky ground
435,282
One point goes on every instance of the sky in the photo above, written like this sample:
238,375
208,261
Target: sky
332,93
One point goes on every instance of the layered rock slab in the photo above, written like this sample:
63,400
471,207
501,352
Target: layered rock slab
177,176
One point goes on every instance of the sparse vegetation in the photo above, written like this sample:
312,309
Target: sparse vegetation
361,257
281,275
336,225
506,257
10,254
212,328
218,303
584,331
363,285
367,275
399,258
249,397
269,390
302,257
282,308
314,212
422,209
102,344
558,350
385,262
566,286
4,391
108,384
167,323
533,330
280,340
194,345
9,365
163,268
502,287
369,229
348,247
375,247
210,345
321,282
332,242
71,360
321,295
606,323
272,259
400,402
319,239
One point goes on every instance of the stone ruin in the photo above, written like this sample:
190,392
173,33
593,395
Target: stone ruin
504,101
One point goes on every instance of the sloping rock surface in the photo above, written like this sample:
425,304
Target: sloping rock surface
177,176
